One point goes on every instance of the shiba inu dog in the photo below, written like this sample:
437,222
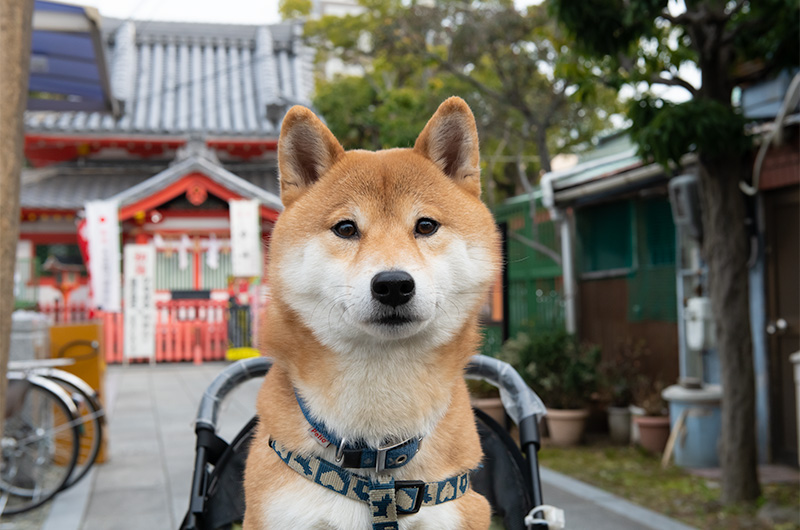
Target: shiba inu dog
378,264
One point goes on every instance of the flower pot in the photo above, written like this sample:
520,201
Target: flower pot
619,424
493,408
566,426
653,432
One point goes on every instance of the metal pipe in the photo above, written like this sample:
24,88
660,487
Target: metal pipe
530,441
568,274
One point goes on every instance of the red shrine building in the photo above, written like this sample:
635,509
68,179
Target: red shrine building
155,219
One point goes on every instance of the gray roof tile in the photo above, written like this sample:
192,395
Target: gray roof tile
195,79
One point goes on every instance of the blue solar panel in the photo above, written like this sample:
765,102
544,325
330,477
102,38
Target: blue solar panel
58,8
75,46
67,62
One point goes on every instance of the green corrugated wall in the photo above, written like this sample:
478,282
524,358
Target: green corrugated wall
534,279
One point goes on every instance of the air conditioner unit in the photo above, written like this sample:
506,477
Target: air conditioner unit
684,196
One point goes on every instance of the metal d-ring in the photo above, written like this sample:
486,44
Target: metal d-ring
340,450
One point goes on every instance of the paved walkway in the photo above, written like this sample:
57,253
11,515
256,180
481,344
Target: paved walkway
145,484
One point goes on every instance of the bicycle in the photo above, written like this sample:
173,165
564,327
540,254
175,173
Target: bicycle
40,442
81,413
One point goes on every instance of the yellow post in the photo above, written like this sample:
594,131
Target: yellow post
91,369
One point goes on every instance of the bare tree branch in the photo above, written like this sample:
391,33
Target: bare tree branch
453,69
674,81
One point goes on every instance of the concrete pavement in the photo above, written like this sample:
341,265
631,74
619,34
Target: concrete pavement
145,484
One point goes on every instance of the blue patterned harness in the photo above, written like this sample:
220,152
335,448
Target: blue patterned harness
387,497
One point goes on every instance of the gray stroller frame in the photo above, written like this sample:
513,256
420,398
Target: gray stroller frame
217,497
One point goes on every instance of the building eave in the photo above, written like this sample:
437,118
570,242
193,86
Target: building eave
195,164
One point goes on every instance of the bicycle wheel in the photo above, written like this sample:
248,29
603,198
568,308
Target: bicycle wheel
89,421
39,444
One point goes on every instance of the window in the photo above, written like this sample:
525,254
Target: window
605,237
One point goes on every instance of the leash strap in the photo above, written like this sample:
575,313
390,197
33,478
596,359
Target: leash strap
387,497
358,455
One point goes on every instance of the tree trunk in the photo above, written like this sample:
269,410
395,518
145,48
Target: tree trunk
15,49
543,150
726,248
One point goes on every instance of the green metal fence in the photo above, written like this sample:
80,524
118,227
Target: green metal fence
217,278
534,295
169,273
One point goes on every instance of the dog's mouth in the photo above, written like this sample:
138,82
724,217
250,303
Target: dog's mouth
393,319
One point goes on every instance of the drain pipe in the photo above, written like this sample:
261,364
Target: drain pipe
567,257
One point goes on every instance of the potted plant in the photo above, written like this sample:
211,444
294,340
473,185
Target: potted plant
653,424
563,372
486,397
617,377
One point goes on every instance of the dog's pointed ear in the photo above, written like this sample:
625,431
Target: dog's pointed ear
450,140
306,150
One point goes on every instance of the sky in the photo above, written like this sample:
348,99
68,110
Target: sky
222,11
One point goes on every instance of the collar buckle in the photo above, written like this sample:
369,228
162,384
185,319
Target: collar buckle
340,450
380,455
418,486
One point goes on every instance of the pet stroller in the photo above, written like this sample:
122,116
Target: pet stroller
507,478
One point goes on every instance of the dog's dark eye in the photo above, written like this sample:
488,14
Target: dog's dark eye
426,227
345,229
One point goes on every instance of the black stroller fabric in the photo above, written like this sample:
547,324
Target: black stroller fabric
501,479
224,503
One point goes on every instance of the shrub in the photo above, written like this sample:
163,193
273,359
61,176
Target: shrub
556,366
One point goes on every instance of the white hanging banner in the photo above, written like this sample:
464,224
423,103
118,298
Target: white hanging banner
140,303
245,238
183,252
102,232
212,247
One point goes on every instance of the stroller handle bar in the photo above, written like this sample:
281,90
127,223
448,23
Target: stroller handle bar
520,402
232,376
518,399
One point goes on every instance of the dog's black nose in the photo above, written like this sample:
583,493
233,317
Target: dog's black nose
392,288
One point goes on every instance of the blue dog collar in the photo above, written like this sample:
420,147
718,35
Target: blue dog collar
358,455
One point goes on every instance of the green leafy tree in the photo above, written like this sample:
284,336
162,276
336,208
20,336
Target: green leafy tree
513,67
290,9
731,42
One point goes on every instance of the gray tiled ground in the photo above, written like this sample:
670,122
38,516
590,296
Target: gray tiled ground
146,483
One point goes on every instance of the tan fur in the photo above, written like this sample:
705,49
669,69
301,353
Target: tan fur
320,185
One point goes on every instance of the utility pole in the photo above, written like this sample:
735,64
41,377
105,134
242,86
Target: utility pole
15,51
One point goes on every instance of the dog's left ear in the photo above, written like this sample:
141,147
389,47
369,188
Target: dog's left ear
450,140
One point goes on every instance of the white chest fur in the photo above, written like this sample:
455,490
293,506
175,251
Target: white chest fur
380,395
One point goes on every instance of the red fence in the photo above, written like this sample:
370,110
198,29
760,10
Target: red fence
186,330
191,330
58,313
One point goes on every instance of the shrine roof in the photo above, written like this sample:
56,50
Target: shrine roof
194,80
70,186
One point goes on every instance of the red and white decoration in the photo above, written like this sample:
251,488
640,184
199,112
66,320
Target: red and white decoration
140,303
102,227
